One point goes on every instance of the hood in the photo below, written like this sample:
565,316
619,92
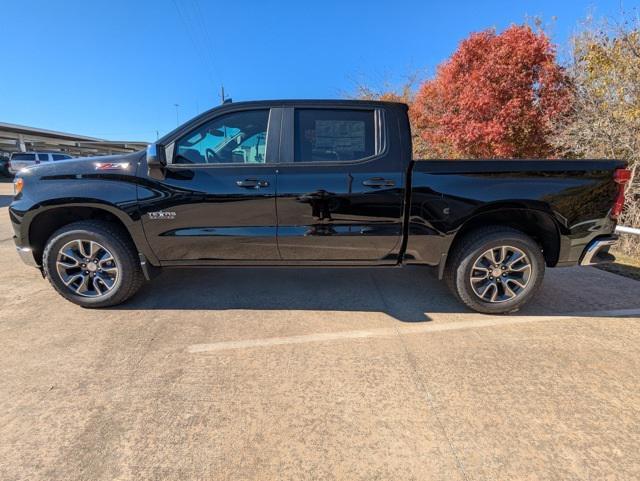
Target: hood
82,165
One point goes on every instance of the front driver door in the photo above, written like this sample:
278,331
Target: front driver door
217,202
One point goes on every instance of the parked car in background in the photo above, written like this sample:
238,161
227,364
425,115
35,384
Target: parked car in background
22,160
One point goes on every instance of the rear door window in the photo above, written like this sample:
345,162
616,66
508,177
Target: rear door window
60,157
333,135
43,157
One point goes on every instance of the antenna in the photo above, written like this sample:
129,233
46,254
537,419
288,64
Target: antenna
177,121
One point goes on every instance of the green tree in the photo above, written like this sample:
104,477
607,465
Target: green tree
605,71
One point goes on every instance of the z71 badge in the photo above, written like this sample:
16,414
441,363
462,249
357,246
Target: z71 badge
161,214
112,165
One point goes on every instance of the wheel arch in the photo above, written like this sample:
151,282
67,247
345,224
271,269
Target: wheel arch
537,224
49,219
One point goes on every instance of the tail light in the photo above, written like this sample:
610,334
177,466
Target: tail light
620,177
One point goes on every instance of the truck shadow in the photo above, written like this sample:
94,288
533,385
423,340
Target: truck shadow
407,294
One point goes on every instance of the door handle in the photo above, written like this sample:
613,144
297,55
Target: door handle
378,182
252,183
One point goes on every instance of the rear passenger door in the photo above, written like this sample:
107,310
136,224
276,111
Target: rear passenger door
340,186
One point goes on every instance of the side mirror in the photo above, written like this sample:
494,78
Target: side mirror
155,155
156,161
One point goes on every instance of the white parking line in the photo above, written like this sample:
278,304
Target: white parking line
487,321
275,341
610,313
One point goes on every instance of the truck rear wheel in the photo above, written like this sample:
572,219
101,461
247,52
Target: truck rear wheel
92,263
495,270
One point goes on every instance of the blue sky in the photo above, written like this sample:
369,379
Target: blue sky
115,69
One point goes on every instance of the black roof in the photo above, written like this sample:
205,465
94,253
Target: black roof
287,102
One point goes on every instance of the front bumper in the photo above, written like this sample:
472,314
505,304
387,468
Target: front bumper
26,254
597,251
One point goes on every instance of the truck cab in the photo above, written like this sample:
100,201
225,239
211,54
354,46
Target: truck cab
303,182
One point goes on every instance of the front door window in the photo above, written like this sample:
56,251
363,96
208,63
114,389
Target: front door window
236,138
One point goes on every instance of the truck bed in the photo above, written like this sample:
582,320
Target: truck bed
570,199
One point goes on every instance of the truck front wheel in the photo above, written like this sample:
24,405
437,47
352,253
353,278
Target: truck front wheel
92,263
495,270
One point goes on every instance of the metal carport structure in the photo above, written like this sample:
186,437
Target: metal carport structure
20,138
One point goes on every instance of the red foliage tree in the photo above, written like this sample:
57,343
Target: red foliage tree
495,97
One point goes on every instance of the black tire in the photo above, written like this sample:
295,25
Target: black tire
460,266
113,238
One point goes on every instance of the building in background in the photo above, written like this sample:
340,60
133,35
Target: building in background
19,138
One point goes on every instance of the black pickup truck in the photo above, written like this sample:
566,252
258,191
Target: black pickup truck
312,183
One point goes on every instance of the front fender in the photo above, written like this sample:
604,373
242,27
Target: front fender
58,197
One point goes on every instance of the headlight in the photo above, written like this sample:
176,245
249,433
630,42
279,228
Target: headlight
18,184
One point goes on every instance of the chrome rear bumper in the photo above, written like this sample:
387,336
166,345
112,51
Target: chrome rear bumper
597,252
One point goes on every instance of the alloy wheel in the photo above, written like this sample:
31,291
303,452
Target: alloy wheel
501,274
87,268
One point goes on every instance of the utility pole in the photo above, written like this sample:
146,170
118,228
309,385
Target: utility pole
177,121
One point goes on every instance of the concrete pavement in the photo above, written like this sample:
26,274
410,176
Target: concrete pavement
317,374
